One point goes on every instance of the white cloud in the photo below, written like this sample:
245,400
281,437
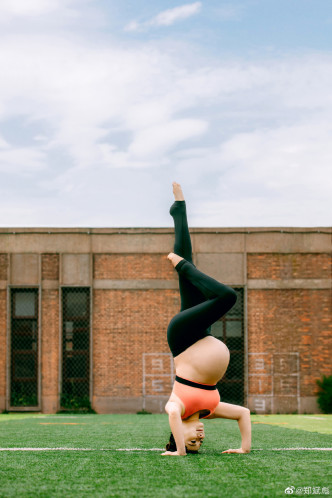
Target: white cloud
23,160
32,16
132,26
249,211
167,17
31,8
289,158
158,140
84,94
170,16
279,176
257,131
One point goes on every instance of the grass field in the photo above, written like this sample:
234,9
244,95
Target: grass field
89,462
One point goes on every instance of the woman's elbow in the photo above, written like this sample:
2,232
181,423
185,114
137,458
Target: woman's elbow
173,414
173,409
244,413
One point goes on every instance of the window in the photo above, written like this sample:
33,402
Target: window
24,348
75,347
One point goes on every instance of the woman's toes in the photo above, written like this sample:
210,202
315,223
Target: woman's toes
177,191
174,258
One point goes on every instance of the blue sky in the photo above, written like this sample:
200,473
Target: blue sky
104,103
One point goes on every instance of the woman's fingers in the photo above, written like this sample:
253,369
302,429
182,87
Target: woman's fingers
171,453
240,450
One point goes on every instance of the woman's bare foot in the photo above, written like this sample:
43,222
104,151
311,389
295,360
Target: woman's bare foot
174,258
177,191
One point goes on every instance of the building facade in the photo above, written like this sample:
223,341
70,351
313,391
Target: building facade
84,313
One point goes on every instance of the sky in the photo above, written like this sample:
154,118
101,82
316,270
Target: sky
103,104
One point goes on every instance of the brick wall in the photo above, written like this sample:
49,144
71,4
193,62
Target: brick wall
132,266
289,325
50,350
282,322
284,266
3,266
285,321
127,324
50,267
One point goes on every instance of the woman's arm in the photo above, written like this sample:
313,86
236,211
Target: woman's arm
242,415
174,416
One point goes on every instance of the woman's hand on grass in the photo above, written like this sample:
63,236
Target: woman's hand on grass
239,450
173,453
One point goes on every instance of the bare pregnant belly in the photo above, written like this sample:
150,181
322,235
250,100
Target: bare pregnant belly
205,361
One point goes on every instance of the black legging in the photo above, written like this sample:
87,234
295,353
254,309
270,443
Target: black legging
203,299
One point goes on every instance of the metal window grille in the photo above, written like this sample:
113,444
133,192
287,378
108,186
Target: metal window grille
24,348
230,329
75,348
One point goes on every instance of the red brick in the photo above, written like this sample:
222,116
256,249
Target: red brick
127,324
50,266
50,342
132,266
4,262
275,319
287,266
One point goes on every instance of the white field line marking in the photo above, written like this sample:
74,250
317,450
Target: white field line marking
52,449
140,449
82,449
150,449
291,449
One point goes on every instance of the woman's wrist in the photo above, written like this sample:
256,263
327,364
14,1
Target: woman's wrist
175,423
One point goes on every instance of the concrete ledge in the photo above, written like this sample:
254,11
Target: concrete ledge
2,403
135,284
226,267
50,284
50,404
24,269
299,283
173,284
108,404
151,240
261,404
309,404
75,269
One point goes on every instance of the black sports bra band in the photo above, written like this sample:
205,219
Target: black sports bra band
195,384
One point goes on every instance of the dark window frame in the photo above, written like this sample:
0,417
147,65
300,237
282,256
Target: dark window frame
18,386
72,384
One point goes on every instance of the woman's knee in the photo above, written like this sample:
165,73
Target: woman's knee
232,296
228,299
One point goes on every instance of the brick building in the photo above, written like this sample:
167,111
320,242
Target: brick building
84,313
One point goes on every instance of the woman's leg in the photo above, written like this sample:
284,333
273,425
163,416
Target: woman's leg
182,242
190,295
208,286
189,326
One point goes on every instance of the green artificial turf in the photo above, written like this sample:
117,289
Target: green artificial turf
311,423
147,474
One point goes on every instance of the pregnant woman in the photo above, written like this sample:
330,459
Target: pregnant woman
200,359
